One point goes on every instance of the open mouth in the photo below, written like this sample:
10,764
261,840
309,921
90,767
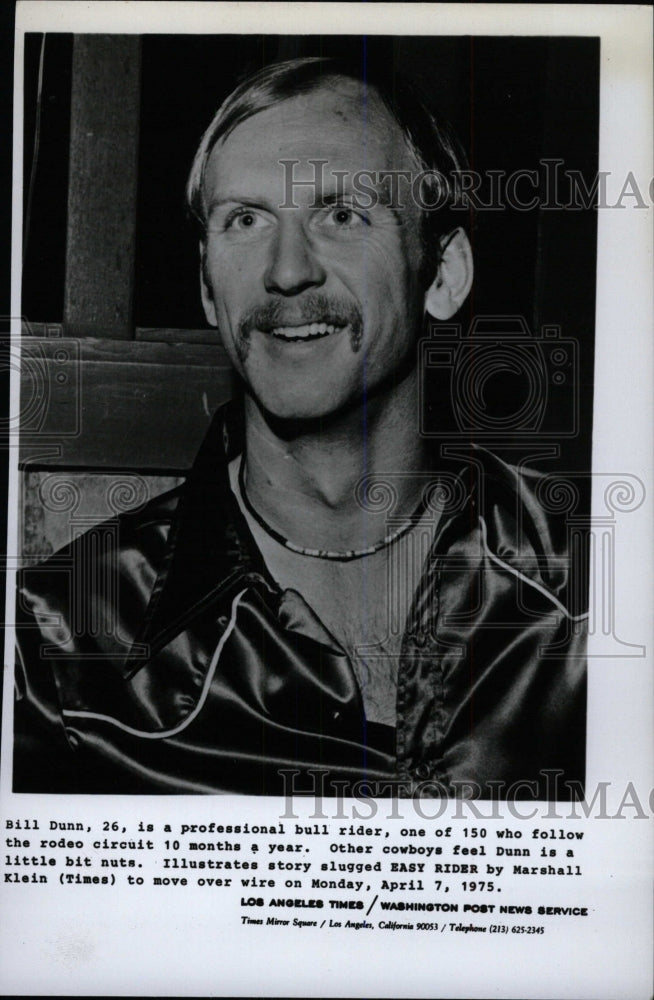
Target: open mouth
308,331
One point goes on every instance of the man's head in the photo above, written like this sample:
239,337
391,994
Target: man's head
318,273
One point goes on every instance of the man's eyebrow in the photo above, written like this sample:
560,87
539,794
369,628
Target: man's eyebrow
329,196
236,199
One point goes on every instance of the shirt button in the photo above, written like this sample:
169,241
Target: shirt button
423,771
336,715
421,639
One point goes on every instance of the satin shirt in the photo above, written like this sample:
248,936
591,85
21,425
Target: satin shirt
157,654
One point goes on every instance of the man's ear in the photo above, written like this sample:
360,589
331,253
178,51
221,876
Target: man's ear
205,290
453,281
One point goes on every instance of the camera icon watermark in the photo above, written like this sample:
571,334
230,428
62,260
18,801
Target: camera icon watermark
498,381
45,379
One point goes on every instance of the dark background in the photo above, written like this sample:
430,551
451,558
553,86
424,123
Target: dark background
512,101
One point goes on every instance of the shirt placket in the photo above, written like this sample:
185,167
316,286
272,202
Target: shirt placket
420,702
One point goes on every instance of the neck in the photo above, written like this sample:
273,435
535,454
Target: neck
302,477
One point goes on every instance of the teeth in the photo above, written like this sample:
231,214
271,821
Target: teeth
304,332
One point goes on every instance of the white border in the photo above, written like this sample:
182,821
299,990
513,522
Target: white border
626,24
137,945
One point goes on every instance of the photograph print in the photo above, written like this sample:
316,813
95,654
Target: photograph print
306,415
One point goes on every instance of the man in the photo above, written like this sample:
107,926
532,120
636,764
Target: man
271,621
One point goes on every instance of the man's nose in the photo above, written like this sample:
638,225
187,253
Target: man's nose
293,264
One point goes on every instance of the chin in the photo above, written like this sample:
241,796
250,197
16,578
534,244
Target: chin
304,408
299,412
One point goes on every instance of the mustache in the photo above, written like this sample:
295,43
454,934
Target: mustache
314,308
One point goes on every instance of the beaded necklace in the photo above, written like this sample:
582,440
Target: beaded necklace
348,554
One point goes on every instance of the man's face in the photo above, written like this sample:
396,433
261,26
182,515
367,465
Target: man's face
317,304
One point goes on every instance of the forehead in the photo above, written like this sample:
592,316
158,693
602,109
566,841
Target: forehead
340,121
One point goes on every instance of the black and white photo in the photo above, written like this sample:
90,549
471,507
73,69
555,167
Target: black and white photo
328,565
351,578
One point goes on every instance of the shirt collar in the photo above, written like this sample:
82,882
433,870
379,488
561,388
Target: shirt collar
210,547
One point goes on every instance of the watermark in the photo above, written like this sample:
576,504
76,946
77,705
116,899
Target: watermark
547,798
498,379
48,406
548,187
580,603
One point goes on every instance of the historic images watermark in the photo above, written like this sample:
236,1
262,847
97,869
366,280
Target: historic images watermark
538,375
549,187
333,798
48,404
540,403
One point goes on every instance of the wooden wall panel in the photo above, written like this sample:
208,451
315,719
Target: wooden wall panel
103,405
56,507
102,186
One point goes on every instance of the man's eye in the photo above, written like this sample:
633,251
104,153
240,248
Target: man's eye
245,219
343,217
